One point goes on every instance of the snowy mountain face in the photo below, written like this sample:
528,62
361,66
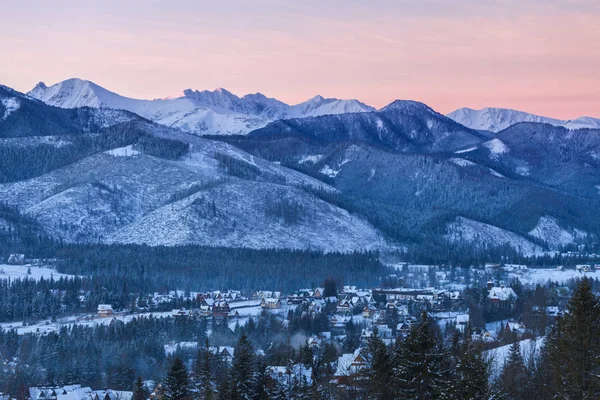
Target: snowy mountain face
401,126
337,182
217,112
497,119
76,177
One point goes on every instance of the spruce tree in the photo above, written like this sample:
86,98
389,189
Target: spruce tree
380,371
573,347
176,384
472,372
514,378
242,370
139,390
422,365
202,371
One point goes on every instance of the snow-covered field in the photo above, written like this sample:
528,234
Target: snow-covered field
498,355
20,271
86,320
543,275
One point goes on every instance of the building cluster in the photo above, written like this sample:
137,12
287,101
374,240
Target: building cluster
76,392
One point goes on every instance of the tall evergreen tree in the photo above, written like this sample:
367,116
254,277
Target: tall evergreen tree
139,390
422,369
574,347
472,372
380,371
202,372
243,370
176,384
514,378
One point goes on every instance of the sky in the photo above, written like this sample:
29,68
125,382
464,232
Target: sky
540,56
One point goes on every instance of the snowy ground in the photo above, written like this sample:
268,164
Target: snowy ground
543,275
46,326
20,271
499,355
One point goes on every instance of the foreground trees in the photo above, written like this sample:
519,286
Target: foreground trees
573,348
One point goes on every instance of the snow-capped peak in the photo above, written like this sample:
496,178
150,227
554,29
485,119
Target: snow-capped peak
497,119
203,112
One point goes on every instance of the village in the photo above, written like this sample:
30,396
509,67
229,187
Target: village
483,302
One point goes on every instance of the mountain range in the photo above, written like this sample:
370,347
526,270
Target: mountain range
201,112
398,177
220,112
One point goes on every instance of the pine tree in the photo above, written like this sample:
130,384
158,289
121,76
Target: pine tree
514,377
202,372
242,370
472,372
422,371
139,390
176,384
573,347
380,371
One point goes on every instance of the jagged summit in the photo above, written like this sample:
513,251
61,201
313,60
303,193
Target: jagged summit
497,119
195,111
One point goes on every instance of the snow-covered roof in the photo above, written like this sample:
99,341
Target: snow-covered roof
502,293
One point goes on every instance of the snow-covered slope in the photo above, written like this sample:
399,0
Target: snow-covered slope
467,231
124,195
497,119
217,112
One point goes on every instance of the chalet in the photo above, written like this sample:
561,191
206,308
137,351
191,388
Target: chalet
583,268
105,310
348,366
220,309
319,292
501,293
383,332
16,259
205,310
344,307
291,376
369,311
403,329
180,314
224,353
270,303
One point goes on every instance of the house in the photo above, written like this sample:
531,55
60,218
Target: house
344,307
369,311
288,377
223,353
270,303
220,309
403,329
76,392
383,332
501,293
349,366
16,259
180,314
462,320
583,268
319,292
205,310
105,310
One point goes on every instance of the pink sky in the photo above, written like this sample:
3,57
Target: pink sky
534,55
